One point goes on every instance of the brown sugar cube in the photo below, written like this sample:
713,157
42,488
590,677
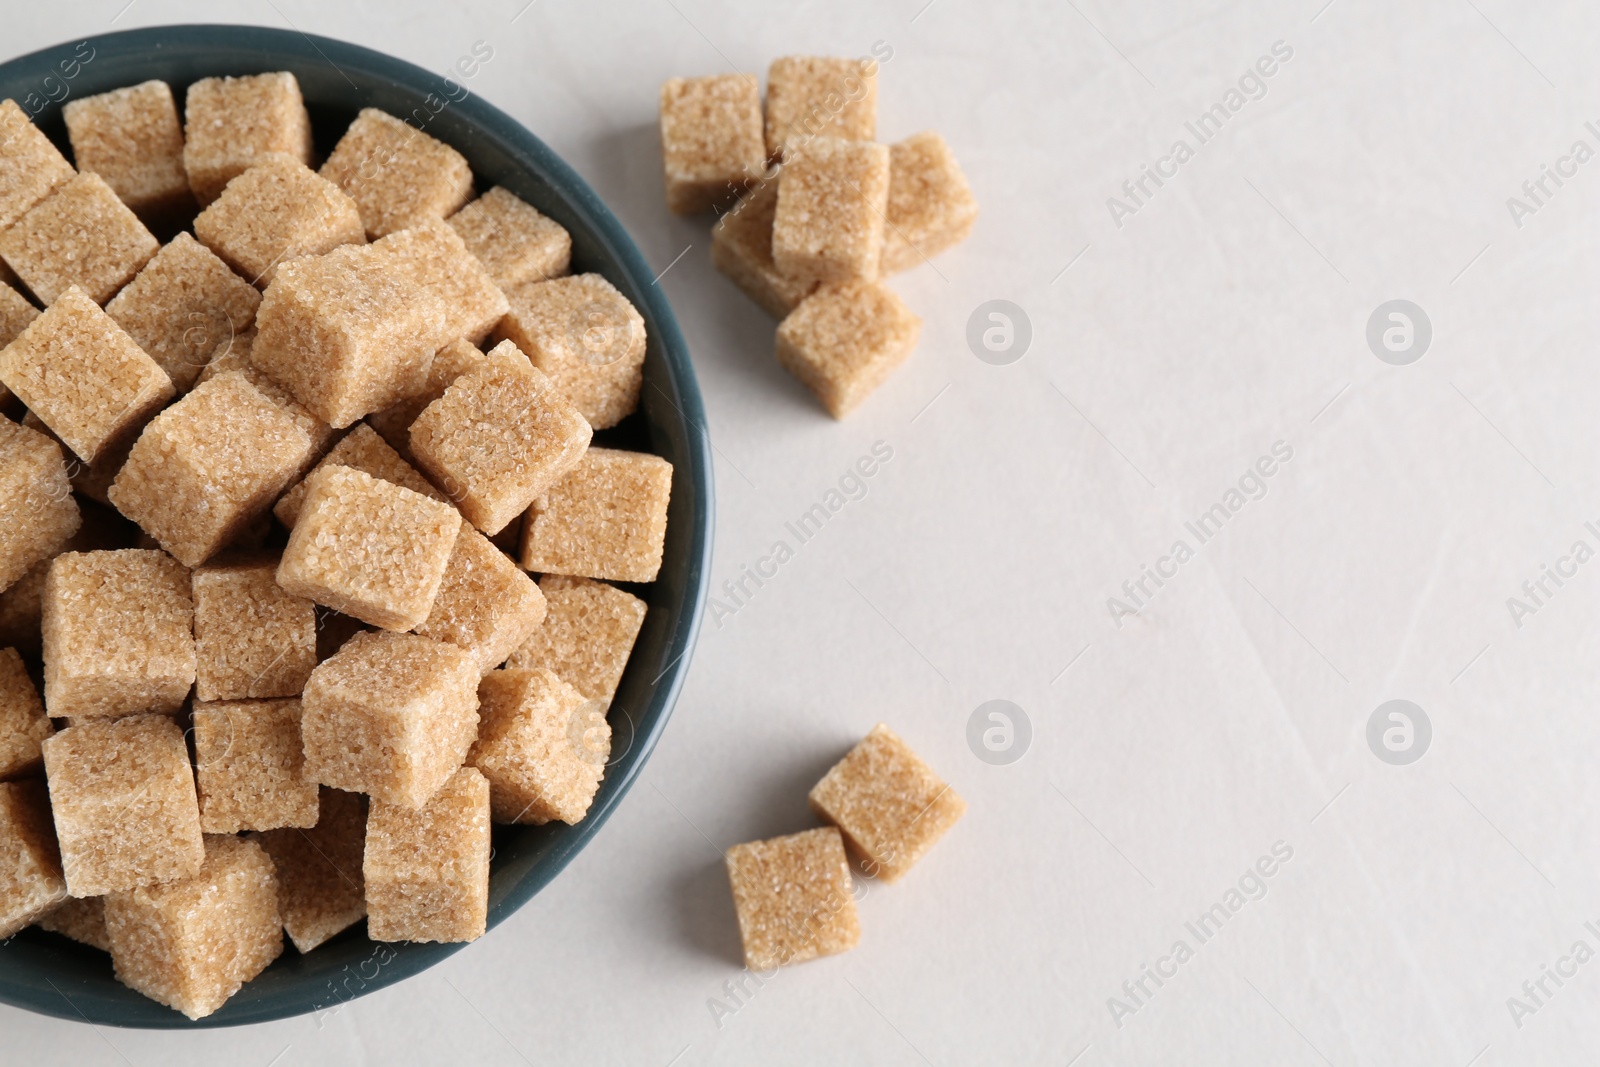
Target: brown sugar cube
811,96
252,639
434,256
39,513
83,375
498,437
132,138
449,363
320,888
208,466
427,868
278,209
184,307
486,604
363,450
794,898
369,548
889,804
83,921
22,604
831,205
586,337
741,248
23,723
91,480
587,635
249,766
31,884
235,356
80,235
512,239
231,122
15,315
844,340
931,207
30,166
118,634
397,175
124,804
193,942
712,144
606,519
543,746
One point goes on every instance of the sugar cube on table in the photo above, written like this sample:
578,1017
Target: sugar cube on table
118,634
397,175
542,745
249,766
30,166
23,723
390,715
486,604
210,465
741,248
31,884
393,423
845,339
229,123
794,898
184,307
320,887
363,450
606,518
498,437
276,210
253,639
587,635
132,138
369,548
80,235
427,868
123,799
811,96
832,201
512,239
890,805
433,256
931,207
192,942
712,141
586,337
82,920
36,501
83,375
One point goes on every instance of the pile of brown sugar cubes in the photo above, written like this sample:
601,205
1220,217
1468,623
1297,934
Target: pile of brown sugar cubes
814,213
269,502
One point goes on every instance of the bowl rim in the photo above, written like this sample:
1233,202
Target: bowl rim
513,139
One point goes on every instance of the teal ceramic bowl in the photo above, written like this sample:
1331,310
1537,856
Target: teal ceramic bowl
47,973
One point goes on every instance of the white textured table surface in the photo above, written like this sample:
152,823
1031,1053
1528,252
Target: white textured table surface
1224,319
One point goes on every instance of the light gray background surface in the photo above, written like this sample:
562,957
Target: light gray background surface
1227,314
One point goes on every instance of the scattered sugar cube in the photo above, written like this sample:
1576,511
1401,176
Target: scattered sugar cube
390,715
132,138
449,363
498,437
320,887
369,548
427,868
30,166
741,248
82,920
192,943
124,804
184,307
512,240
586,337
889,804
434,256
252,639
931,207
542,745
712,142
231,122
210,465
83,375
486,604
278,209
80,235
249,766
845,339
363,450
794,898
397,175
31,885
587,635
35,499
23,723
811,96
607,518
831,205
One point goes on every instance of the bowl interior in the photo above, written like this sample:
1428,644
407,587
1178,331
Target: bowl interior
48,973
